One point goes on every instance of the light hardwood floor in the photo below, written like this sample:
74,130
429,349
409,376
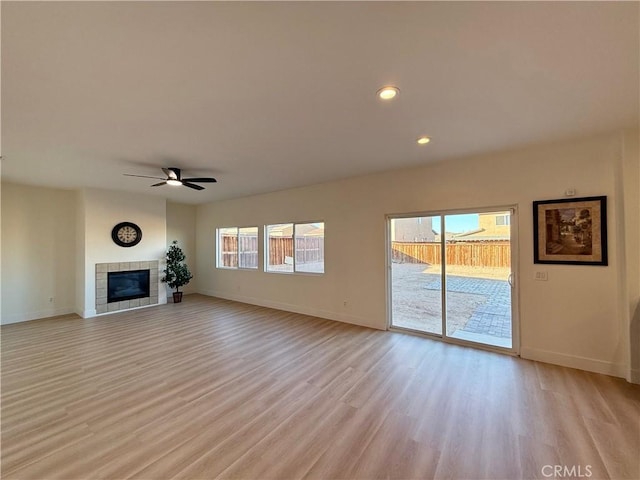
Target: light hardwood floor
216,389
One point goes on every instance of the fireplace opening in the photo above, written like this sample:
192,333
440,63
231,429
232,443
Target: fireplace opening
127,285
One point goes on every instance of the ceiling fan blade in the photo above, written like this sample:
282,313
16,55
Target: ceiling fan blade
200,180
158,184
192,185
172,172
141,176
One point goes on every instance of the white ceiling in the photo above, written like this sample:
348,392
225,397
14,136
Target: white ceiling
268,95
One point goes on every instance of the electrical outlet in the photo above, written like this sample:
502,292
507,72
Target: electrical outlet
541,276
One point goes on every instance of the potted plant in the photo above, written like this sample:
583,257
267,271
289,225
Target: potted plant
176,273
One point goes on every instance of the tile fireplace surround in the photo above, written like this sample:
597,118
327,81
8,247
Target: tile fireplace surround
101,285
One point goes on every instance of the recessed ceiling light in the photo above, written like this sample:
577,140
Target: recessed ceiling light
423,140
174,182
388,92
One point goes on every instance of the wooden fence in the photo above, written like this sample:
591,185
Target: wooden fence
472,254
279,250
243,254
308,250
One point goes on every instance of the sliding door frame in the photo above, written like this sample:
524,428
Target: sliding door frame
514,244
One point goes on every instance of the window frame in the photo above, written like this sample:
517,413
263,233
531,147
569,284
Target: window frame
293,271
219,262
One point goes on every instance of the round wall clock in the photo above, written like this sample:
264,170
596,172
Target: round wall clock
126,234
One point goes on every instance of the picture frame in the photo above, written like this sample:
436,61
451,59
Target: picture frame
571,231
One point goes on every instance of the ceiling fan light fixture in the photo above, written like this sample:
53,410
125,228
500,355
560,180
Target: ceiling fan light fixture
388,92
423,140
175,179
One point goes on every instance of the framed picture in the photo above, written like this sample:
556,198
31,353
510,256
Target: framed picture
570,231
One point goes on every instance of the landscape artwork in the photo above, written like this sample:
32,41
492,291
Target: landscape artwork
570,231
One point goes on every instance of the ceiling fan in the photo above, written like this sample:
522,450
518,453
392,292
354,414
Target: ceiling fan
174,178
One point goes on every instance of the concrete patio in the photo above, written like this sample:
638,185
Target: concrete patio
478,309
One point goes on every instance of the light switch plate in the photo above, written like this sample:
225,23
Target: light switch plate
541,276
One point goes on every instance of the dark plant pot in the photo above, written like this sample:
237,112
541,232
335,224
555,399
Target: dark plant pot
177,297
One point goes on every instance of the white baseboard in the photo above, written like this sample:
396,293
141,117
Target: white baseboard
574,361
89,313
288,307
634,376
27,316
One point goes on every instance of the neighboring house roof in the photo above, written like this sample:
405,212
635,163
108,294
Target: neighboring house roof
305,230
480,235
470,232
447,236
316,232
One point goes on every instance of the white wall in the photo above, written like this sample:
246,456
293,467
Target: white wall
572,319
102,210
181,226
0,235
630,183
80,251
38,252
52,238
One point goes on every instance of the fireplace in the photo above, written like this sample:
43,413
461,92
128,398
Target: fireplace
127,285
134,285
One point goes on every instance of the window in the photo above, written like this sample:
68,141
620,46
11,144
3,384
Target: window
295,247
309,242
502,219
238,247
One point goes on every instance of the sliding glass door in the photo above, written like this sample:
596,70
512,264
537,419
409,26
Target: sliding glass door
416,287
451,275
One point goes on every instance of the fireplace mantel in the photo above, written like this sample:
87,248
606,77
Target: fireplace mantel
102,270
